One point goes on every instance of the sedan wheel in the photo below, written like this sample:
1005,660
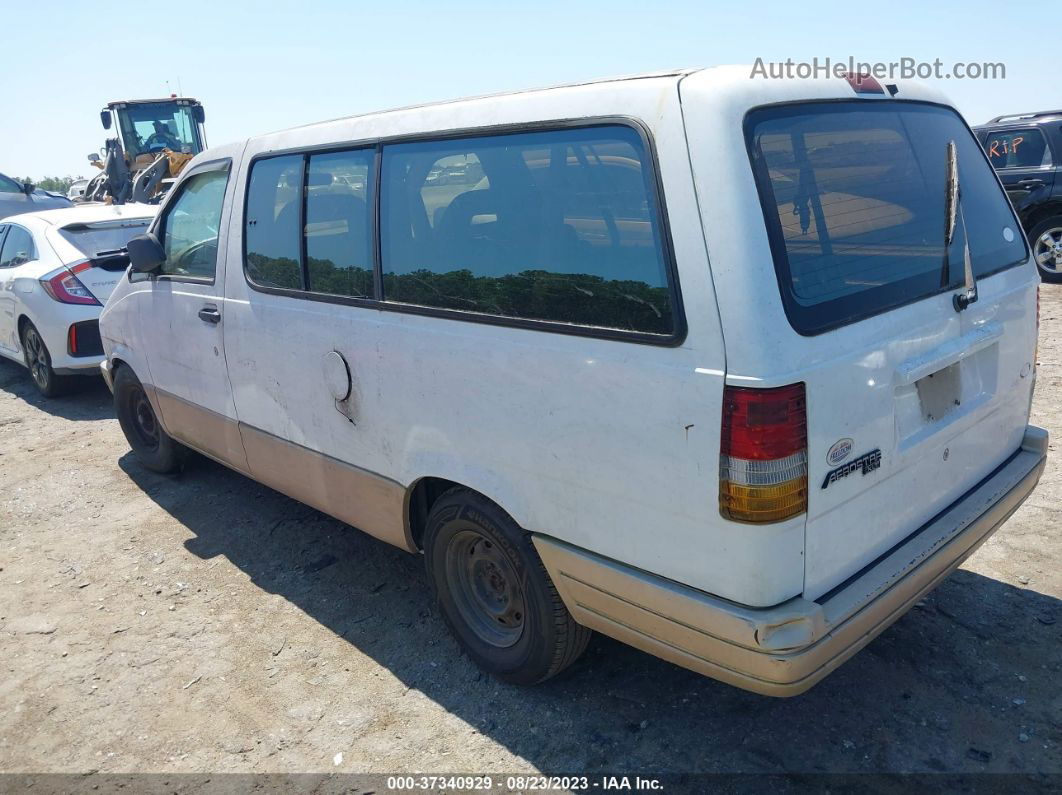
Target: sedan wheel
39,362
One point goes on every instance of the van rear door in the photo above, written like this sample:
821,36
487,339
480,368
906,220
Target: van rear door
910,402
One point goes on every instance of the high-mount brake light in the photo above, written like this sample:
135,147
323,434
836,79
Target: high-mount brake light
863,83
763,468
63,286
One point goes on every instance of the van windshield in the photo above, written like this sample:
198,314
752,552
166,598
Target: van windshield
853,197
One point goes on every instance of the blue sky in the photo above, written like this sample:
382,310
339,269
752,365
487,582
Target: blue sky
263,66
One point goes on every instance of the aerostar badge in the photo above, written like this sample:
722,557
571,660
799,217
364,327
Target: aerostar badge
866,463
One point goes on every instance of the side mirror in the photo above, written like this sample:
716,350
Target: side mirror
145,253
94,157
105,118
199,113
27,188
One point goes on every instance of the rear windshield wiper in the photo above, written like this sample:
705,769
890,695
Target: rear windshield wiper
953,214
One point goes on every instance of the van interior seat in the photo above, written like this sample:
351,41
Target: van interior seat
347,244
518,238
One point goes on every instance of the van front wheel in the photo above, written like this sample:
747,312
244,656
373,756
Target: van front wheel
494,592
153,447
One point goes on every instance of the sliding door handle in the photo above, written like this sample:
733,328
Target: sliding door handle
210,314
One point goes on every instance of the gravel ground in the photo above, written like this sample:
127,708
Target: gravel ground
206,623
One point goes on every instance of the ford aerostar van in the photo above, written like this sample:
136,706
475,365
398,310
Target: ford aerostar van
732,370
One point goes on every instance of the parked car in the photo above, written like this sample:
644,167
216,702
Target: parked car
57,268
1026,151
697,362
23,197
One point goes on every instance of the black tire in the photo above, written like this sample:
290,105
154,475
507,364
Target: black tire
494,592
1046,241
39,361
154,448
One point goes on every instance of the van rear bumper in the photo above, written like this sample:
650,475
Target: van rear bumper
784,650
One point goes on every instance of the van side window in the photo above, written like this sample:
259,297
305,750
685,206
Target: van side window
338,231
271,227
190,226
559,225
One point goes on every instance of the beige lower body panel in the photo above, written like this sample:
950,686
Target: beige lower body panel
213,434
784,650
370,502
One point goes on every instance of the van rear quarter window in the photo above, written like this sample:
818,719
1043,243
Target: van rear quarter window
559,225
853,198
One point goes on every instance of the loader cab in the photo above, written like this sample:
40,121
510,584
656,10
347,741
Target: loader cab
146,127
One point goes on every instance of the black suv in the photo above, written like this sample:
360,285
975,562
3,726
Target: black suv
1026,151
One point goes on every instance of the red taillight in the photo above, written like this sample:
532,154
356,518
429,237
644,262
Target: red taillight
63,286
764,463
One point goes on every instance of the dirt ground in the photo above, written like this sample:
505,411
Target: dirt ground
206,623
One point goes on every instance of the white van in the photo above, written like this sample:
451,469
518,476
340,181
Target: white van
681,358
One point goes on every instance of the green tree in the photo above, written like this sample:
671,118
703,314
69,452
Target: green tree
54,184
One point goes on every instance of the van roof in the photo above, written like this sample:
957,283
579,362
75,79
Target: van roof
434,103
730,87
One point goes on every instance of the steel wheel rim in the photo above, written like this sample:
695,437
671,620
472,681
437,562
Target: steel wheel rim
145,425
485,588
1047,250
37,358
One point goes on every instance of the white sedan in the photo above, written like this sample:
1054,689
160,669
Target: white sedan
57,268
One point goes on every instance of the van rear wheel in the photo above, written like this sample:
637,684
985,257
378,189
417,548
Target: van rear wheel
494,592
153,447
1046,241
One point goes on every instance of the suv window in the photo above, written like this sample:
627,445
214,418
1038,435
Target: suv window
853,198
8,185
271,226
1017,148
18,248
191,224
560,225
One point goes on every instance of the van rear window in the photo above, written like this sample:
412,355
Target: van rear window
853,198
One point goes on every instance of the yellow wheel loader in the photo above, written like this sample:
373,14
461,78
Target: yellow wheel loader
154,140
